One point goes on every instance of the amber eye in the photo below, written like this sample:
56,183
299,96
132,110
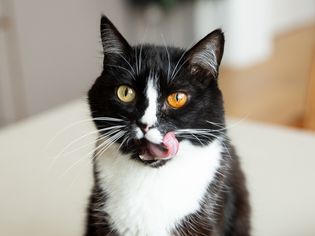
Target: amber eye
126,94
177,100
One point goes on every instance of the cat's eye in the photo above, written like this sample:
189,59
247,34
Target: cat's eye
177,100
126,94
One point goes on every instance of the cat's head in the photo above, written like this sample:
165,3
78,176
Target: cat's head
149,99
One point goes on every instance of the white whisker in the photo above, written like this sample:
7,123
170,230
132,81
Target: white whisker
179,60
81,122
102,137
128,63
122,68
168,56
90,153
140,59
136,57
106,144
178,70
79,139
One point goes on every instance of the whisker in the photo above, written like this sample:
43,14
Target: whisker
174,70
105,118
237,122
107,144
168,56
201,130
102,152
190,134
128,63
178,70
197,139
94,157
215,123
174,73
102,137
85,156
122,68
228,152
136,57
80,122
140,59
80,138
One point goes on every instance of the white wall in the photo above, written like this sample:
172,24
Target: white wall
250,25
58,50
7,103
153,25
291,14
7,113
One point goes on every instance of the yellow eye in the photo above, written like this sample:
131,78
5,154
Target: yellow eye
177,100
125,93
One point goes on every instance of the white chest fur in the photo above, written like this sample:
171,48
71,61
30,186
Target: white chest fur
146,201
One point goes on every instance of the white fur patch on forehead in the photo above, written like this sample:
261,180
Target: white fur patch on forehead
149,118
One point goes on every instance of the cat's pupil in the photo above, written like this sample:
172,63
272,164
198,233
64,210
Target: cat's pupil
126,92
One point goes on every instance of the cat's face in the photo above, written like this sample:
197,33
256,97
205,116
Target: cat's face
150,98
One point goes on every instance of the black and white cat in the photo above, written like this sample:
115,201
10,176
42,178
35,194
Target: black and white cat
163,163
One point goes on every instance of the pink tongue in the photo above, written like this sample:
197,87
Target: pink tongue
170,146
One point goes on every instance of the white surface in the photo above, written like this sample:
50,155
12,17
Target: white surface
38,198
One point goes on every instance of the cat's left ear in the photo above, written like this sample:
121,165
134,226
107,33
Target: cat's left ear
206,55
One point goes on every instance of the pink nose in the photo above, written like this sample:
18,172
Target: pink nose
144,127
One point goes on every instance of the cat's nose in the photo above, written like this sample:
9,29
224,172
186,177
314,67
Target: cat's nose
144,127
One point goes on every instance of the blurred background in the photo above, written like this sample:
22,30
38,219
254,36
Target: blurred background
50,51
50,55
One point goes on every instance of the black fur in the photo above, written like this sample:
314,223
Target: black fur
231,208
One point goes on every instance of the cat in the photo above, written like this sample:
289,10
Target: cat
163,163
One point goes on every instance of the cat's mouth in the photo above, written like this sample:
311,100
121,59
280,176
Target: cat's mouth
151,152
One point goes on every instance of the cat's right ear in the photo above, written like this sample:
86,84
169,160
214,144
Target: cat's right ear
114,44
207,54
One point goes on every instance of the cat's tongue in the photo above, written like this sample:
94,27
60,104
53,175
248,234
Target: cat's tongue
166,150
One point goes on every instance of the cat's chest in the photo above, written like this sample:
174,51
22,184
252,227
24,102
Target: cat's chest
142,200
